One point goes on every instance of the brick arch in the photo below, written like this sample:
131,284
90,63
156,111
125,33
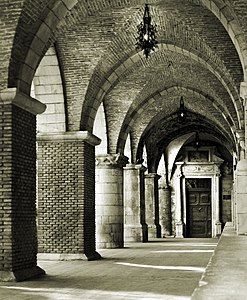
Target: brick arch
42,31
201,127
138,105
229,87
121,70
56,12
135,113
228,19
159,135
114,75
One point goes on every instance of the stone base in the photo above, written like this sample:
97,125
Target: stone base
179,230
109,245
133,233
218,228
152,232
93,256
60,256
64,256
22,275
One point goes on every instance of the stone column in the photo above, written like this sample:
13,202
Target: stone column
152,205
241,195
218,225
241,173
66,195
18,232
135,227
109,200
179,203
165,210
243,95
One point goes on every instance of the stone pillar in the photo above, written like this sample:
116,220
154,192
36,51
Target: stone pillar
218,225
152,205
135,227
165,210
241,195
18,232
179,203
109,200
66,195
243,95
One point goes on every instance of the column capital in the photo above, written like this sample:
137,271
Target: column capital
153,175
70,136
111,160
135,167
13,96
243,91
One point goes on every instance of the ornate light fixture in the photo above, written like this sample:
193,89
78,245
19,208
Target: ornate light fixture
182,110
146,40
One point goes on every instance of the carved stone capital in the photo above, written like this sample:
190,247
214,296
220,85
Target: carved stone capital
111,160
243,91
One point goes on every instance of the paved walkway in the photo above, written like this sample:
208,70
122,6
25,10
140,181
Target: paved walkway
162,269
226,275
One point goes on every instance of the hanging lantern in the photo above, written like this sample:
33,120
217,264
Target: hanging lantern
146,40
181,111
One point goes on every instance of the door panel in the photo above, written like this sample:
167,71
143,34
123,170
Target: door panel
199,212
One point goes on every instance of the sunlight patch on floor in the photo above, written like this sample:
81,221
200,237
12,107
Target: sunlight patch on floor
183,251
177,268
71,294
186,244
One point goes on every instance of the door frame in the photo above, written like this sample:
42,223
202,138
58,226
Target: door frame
187,204
199,170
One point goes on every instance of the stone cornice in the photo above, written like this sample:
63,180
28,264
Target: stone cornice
70,136
13,96
118,160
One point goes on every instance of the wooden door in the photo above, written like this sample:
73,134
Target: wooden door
199,222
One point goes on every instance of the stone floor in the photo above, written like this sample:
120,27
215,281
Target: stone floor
161,269
226,275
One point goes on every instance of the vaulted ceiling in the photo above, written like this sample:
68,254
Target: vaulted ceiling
200,56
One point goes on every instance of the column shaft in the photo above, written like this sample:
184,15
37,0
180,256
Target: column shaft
152,205
241,197
66,195
109,200
135,227
18,232
165,210
179,204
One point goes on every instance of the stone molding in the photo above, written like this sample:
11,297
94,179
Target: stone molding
13,96
70,137
118,160
205,169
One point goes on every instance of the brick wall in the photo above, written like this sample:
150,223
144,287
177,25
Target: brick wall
66,197
18,189
24,189
6,188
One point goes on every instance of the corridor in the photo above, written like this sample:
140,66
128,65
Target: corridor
161,269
